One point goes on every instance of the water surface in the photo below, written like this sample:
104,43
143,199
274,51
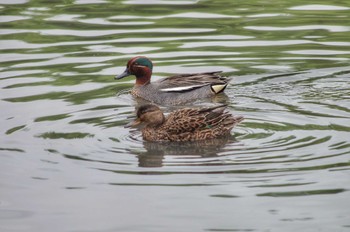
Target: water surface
68,164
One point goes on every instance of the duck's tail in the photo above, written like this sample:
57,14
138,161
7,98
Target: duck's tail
217,117
218,88
232,121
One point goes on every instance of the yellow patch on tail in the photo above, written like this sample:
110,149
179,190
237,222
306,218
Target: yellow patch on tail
218,88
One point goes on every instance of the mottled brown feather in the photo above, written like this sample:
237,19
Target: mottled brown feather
186,124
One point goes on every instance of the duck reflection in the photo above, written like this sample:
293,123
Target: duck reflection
156,151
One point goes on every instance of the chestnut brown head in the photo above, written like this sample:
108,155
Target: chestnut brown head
139,66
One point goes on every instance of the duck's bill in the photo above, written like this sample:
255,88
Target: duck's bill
124,74
133,123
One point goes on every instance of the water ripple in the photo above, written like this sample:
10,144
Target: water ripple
63,116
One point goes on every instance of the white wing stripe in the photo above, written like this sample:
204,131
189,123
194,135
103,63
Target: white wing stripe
182,88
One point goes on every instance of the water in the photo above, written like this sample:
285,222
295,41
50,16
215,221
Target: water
68,164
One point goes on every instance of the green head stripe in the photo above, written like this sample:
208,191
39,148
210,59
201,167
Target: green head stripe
144,62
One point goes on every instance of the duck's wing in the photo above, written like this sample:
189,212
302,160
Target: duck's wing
191,120
189,82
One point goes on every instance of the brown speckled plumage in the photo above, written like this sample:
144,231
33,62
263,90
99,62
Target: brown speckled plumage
185,124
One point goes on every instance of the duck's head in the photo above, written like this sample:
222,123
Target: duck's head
139,66
150,115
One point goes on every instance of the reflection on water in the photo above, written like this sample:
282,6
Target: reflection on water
155,152
66,158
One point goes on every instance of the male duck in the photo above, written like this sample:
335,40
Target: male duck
185,124
175,89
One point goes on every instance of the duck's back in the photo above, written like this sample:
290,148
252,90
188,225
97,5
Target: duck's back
182,88
192,79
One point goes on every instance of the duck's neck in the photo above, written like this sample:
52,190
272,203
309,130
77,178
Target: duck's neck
156,120
143,76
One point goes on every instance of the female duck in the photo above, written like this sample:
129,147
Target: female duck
185,124
173,90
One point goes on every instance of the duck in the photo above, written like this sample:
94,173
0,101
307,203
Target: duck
186,124
173,90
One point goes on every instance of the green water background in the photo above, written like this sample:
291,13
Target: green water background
68,164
